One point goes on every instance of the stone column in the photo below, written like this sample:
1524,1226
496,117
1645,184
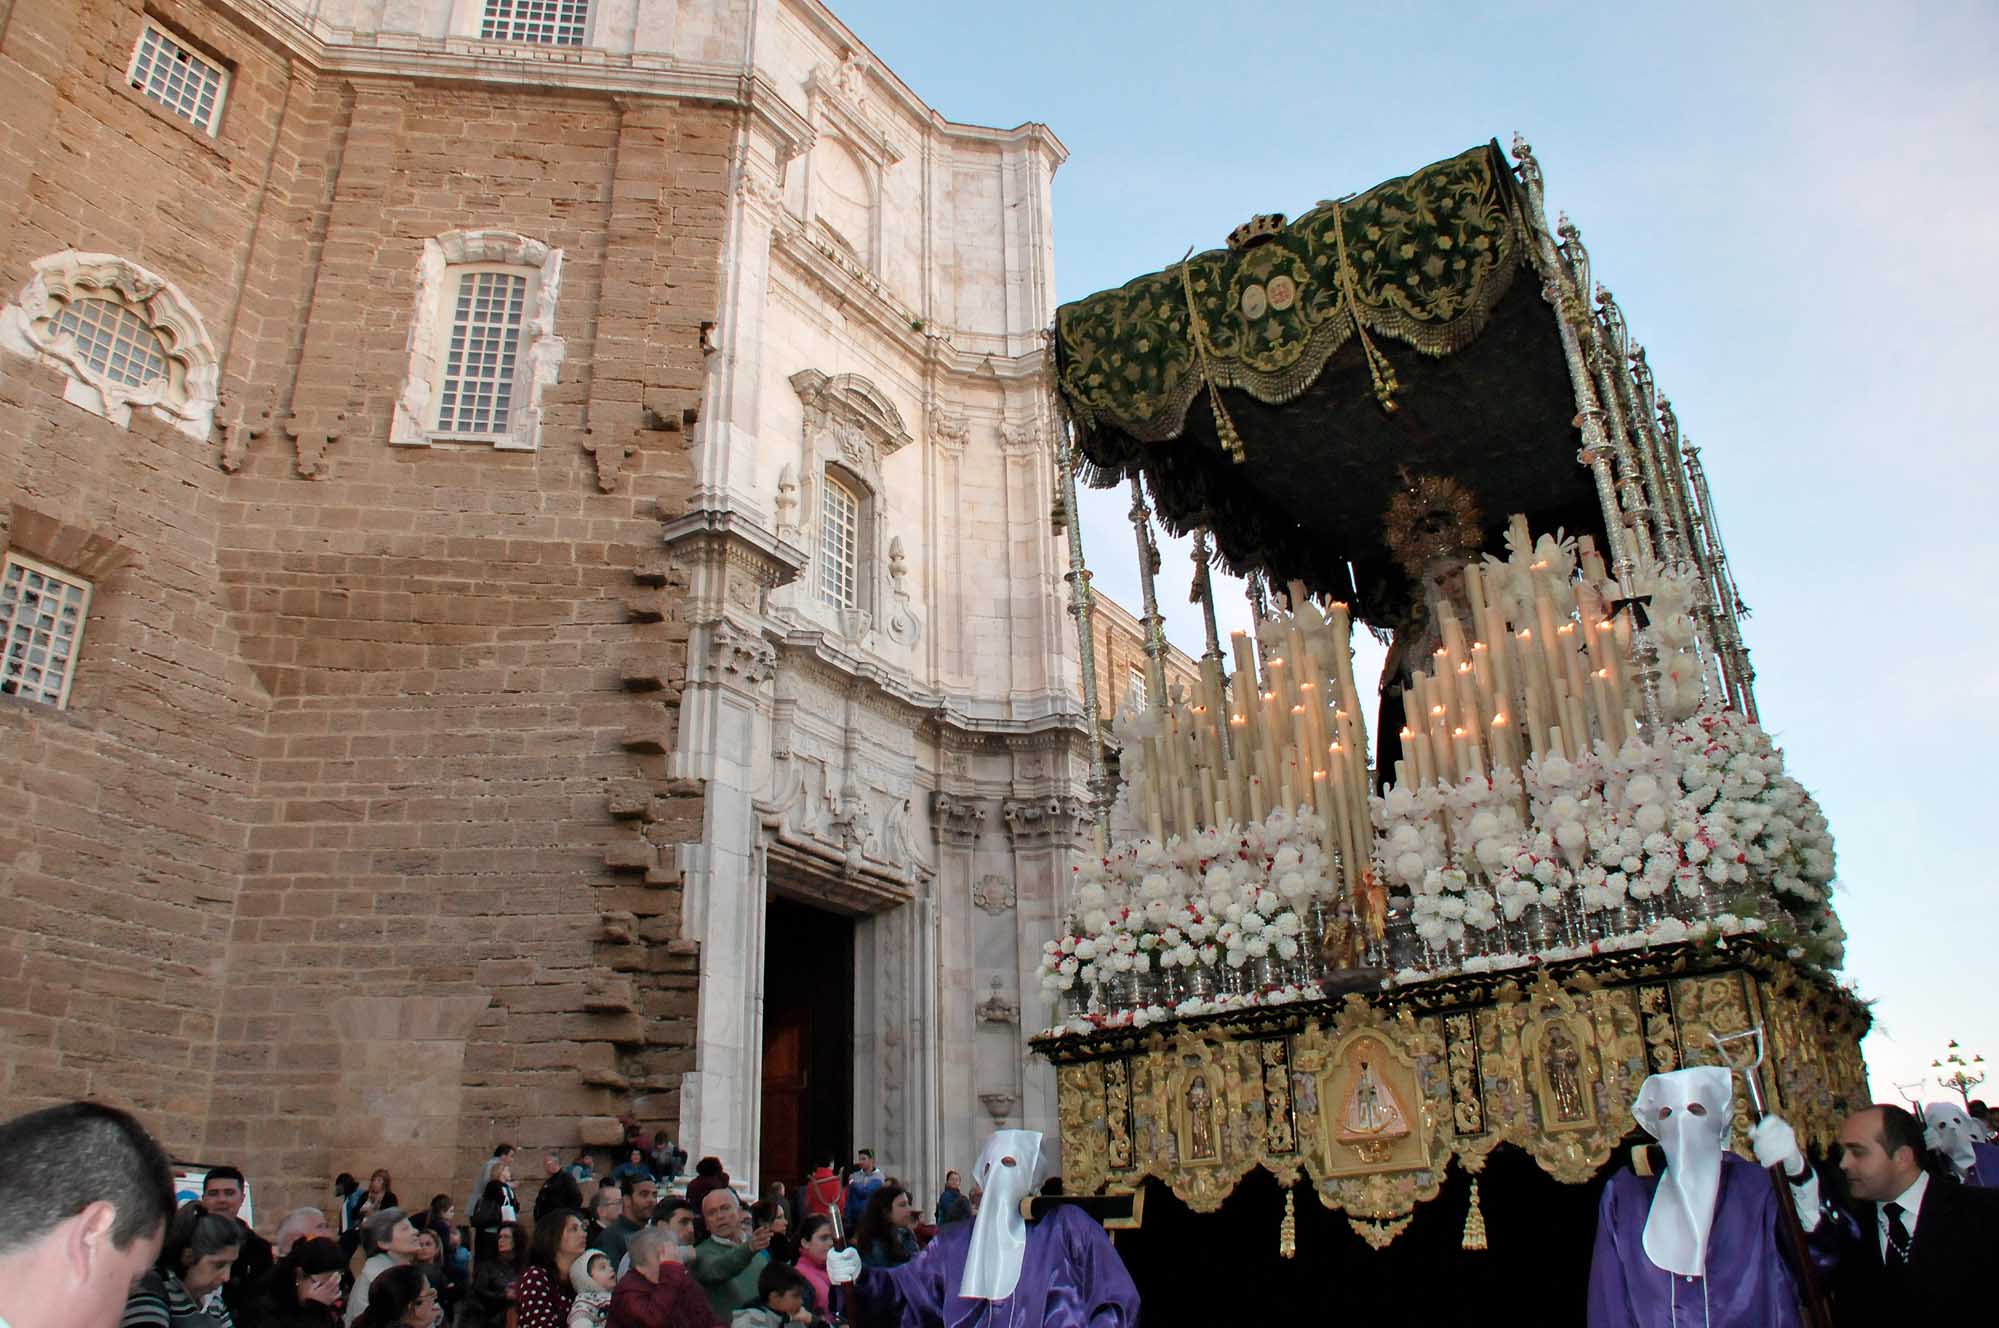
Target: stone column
956,820
731,565
1043,834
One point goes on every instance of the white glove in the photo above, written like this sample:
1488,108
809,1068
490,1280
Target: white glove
842,1266
1775,1143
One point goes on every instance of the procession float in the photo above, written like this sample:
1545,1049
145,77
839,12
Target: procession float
1355,992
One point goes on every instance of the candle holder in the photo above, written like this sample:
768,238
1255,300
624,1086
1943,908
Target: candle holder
1200,982
1262,974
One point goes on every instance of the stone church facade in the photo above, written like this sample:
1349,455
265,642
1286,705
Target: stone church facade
507,508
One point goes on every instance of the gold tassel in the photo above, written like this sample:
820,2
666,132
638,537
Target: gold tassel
1287,1230
1385,385
1474,1222
1225,430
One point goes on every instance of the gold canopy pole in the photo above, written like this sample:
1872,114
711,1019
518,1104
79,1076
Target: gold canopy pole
1148,571
1204,595
1558,290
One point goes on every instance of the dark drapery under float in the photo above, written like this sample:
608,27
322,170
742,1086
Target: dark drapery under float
1433,273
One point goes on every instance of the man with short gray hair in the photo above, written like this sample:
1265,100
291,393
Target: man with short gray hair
657,1292
390,1239
299,1224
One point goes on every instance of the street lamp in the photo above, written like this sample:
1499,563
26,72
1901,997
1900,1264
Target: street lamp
1958,1074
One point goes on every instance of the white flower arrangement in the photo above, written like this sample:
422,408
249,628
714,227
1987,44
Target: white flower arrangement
1702,811
1225,896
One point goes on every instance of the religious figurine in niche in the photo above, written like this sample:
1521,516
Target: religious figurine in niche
1433,526
1200,1122
1563,1062
1339,947
1371,1111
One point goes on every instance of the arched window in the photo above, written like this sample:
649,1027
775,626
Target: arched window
840,506
126,337
482,342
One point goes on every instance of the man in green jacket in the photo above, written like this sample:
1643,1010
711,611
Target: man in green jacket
728,1263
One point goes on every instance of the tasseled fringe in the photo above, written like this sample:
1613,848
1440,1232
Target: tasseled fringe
1474,1222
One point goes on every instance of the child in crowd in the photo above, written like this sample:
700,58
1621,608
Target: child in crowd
594,1277
781,1295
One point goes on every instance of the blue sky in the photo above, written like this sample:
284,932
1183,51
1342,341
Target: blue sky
1797,207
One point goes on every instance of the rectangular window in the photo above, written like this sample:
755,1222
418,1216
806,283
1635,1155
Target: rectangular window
1134,687
41,625
550,22
174,76
839,544
477,394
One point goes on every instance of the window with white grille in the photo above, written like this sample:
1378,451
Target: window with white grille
550,22
114,341
482,343
839,544
1134,687
187,84
482,354
41,625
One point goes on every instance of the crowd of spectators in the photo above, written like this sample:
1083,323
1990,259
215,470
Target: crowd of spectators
608,1242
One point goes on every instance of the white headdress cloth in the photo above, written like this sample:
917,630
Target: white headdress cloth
1952,1132
999,1232
1676,1229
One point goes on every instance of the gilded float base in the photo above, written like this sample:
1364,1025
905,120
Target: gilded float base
1372,1097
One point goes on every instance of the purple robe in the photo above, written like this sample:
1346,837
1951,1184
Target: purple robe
1748,1283
1984,1173
1070,1277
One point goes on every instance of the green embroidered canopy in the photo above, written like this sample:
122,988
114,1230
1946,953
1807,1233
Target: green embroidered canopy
1329,365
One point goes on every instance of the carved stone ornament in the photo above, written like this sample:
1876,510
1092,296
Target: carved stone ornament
738,655
957,820
1021,438
1044,822
184,393
413,423
999,1105
905,628
948,429
863,422
993,894
759,185
996,1008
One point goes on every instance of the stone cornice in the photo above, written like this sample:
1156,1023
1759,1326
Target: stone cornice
893,691
345,51
858,291
562,70
742,541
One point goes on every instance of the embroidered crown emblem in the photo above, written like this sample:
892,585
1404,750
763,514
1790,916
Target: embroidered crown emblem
1260,227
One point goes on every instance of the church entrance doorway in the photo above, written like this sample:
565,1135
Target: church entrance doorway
808,1051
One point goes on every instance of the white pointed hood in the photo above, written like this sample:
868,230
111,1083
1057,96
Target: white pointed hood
1676,1229
1951,1131
999,1232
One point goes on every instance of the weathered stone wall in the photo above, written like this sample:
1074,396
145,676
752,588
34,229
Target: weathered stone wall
1118,639
355,846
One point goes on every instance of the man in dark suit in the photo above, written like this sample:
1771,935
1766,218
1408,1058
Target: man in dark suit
1924,1246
